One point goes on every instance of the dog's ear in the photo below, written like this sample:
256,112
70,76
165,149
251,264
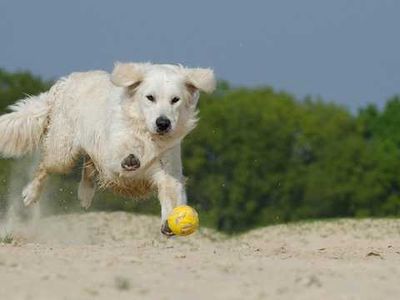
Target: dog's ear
200,79
127,74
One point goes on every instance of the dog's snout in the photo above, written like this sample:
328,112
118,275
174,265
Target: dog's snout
163,124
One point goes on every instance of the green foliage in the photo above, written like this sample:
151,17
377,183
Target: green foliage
14,86
261,157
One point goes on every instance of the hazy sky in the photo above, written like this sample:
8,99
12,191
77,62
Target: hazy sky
347,51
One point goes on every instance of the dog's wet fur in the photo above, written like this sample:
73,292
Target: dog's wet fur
128,125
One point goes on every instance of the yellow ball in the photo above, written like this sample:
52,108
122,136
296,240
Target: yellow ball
183,220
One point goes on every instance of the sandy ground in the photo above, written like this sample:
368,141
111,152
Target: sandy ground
123,256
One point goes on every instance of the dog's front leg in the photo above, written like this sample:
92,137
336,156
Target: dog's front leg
170,183
171,192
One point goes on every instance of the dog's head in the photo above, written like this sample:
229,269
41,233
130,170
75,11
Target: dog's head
165,96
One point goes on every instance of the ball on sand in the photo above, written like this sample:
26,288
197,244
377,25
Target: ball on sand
183,220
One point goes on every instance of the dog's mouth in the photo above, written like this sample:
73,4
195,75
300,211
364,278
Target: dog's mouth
163,133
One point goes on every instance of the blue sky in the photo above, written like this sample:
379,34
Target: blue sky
347,51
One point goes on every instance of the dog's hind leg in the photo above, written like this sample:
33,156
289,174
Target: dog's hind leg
87,186
33,190
57,162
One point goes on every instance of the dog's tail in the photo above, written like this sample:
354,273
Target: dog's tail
22,129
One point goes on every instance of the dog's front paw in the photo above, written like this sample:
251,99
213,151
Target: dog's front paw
130,163
165,230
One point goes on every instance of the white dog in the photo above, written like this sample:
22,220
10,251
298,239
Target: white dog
128,125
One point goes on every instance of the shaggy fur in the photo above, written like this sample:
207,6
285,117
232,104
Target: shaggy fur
108,118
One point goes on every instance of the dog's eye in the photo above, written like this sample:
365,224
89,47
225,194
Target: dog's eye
175,99
150,98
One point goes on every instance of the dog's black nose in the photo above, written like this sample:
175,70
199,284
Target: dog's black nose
163,124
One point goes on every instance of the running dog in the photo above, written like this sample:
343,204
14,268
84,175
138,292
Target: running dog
128,126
